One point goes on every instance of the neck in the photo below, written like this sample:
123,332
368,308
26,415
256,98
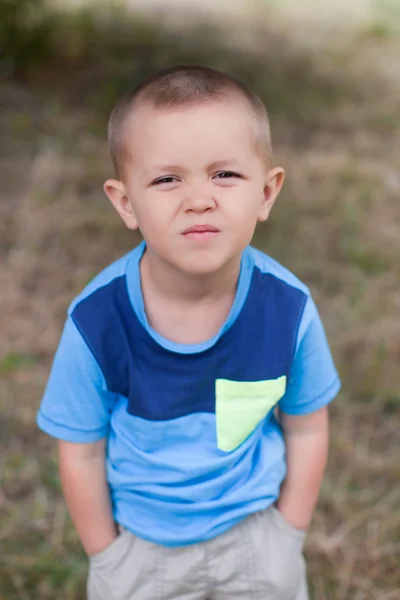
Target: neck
170,283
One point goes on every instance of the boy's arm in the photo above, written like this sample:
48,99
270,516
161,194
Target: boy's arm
306,439
83,479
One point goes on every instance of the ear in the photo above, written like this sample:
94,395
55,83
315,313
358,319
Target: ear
116,192
272,187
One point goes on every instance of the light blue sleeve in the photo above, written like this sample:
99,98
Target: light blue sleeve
76,405
313,381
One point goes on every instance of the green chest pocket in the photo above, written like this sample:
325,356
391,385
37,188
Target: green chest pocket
241,405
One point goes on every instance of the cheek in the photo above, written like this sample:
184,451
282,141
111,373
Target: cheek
246,204
155,213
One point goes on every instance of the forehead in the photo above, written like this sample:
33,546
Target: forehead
196,131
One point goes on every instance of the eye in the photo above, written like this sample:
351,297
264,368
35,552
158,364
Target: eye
167,179
227,175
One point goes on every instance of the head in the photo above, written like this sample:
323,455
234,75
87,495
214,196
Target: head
192,154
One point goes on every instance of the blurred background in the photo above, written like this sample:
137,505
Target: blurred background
329,75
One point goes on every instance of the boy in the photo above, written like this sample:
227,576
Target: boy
190,386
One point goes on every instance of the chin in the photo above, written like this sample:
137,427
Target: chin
202,265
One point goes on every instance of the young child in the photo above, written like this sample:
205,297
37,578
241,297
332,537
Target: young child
190,387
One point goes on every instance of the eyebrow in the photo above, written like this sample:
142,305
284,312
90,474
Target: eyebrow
219,164
166,168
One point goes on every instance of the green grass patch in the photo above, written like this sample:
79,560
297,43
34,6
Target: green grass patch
14,361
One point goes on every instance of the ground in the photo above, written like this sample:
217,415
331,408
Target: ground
336,225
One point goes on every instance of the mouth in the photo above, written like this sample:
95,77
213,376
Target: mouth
200,232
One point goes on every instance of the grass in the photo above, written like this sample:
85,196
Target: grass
336,226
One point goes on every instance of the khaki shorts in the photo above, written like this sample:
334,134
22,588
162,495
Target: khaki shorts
258,559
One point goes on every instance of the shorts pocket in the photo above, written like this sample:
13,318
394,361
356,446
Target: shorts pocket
126,569
285,526
284,561
241,405
114,552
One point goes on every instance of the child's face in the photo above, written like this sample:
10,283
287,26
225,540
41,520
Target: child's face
194,183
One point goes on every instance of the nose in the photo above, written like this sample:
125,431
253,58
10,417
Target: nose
198,201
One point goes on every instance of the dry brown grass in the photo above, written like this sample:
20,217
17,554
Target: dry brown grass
336,226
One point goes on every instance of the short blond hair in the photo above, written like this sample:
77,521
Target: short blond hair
180,86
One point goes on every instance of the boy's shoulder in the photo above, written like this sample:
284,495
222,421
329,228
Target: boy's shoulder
268,265
113,271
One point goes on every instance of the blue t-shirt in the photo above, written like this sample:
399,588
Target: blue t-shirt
193,443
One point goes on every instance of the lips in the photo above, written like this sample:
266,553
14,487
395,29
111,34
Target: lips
201,229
